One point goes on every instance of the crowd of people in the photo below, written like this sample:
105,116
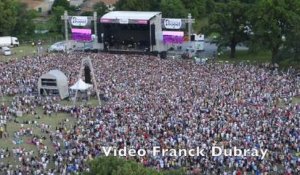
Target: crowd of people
158,102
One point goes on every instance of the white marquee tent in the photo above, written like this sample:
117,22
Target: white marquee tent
81,85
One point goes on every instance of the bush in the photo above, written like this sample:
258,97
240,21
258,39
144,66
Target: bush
119,166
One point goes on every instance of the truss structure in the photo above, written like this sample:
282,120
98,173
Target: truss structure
88,62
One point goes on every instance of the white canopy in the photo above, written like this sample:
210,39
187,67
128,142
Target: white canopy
80,85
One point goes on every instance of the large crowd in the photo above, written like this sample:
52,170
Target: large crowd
156,102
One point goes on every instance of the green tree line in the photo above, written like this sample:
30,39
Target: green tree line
119,166
15,19
265,24
259,24
272,25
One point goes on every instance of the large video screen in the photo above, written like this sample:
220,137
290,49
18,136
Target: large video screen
173,37
82,34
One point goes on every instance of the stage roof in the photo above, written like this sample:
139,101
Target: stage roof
135,15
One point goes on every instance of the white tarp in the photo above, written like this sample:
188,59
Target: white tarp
80,85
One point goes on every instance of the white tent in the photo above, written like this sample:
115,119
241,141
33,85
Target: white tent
80,85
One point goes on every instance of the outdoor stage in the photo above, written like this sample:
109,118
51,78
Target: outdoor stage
131,32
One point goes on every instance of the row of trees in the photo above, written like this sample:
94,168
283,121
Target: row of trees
119,166
14,14
59,6
15,19
169,8
263,24
271,25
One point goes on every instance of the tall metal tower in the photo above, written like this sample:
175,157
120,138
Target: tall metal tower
88,62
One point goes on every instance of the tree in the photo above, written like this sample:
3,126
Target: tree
173,9
119,166
289,54
100,8
8,16
155,5
229,22
138,5
195,7
61,3
293,44
87,13
133,5
25,19
209,6
55,19
274,20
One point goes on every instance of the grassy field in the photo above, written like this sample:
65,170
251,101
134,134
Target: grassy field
296,100
18,52
92,102
14,126
246,56
256,58
21,51
54,121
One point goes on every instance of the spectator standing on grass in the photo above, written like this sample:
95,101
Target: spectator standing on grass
1,132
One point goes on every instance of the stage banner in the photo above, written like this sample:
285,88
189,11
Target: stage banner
82,34
80,21
173,24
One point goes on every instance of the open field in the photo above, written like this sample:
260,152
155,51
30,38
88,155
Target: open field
256,58
296,100
92,102
246,56
18,52
15,125
54,121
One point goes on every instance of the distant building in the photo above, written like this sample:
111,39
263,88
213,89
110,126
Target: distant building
110,2
42,6
88,4
76,3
